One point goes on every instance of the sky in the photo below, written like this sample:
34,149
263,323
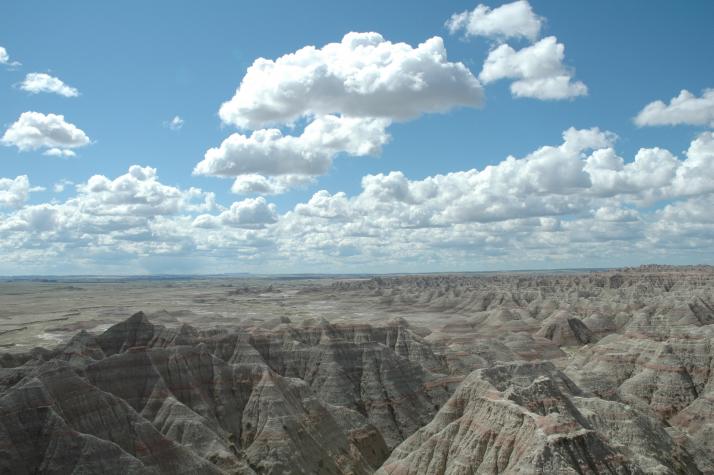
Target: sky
293,137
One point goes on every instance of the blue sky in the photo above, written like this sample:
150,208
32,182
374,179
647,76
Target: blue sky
136,65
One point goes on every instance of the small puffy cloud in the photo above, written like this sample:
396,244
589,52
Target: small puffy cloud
578,140
35,130
538,71
614,214
512,20
15,191
269,153
270,185
139,193
325,205
364,75
35,83
59,152
174,124
5,58
685,109
60,186
251,213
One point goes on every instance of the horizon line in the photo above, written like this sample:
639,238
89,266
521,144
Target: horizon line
330,274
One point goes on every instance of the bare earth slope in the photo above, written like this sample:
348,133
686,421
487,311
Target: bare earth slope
597,372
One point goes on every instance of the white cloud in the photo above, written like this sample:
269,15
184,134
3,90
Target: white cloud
174,124
35,83
648,178
60,186
269,153
695,176
655,174
547,182
125,221
59,152
567,204
686,108
581,174
33,219
511,20
362,76
139,193
325,205
271,185
685,227
538,70
5,59
253,213
15,191
349,93
35,130
614,214
131,216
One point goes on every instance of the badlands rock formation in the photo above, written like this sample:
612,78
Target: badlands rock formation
312,399
597,372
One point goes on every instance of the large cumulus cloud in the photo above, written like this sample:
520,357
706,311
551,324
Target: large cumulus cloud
363,75
36,83
347,94
538,70
511,20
